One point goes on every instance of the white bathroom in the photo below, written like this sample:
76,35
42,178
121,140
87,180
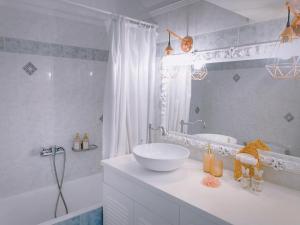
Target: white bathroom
162,112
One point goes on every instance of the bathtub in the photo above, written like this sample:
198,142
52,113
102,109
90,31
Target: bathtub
37,207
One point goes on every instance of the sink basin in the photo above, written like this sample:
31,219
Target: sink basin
160,156
218,138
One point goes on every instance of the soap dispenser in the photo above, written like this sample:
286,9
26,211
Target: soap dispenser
77,142
85,142
208,158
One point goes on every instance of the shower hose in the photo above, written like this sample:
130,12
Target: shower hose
61,181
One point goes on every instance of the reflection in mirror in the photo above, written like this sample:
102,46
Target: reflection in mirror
246,103
238,102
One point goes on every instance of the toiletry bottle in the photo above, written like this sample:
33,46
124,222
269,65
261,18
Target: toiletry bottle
208,158
257,180
216,167
85,142
77,142
245,179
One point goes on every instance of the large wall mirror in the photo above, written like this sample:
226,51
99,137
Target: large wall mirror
237,102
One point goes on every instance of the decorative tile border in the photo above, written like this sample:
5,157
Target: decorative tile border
21,46
276,161
29,68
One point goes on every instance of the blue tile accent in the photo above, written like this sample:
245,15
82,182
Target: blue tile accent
72,221
94,217
22,46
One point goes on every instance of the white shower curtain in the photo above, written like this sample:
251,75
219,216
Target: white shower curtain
129,89
178,96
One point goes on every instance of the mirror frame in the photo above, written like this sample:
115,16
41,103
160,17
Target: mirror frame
277,161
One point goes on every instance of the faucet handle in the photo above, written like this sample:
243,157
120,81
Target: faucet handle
47,151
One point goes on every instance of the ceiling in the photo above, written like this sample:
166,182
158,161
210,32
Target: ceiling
254,10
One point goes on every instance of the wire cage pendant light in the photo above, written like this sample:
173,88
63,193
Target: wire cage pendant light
285,70
199,69
286,60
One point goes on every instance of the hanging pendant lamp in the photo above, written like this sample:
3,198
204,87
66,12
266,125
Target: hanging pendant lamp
286,59
288,33
169,49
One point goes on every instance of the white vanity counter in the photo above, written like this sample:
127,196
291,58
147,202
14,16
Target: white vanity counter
276,205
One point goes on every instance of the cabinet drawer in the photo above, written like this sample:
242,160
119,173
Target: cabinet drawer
143,216
190,217
165,208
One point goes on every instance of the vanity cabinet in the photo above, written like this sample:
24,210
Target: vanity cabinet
127,202
121,210
136,196
189,217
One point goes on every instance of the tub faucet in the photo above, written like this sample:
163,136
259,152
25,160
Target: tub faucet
182,123
150,128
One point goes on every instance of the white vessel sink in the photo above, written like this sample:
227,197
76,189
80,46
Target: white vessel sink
218,138
160,156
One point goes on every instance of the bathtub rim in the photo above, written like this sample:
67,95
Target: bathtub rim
71,215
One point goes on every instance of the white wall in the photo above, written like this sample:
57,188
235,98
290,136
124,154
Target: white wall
62,97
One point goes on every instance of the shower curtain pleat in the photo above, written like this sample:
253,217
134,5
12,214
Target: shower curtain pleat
178,97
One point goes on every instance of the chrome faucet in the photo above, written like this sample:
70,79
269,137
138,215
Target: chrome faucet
182,123
150,128
53,150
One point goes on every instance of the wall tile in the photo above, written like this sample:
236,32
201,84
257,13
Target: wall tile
56,50
29,68
100,55
236,77
289,117
261,32
22,46
1,43
12,45
246,64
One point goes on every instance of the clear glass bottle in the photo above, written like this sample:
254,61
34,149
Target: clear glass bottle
77,142
216,167
257,180
85,142
208,157
245,179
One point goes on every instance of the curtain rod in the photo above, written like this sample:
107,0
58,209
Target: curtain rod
109,13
